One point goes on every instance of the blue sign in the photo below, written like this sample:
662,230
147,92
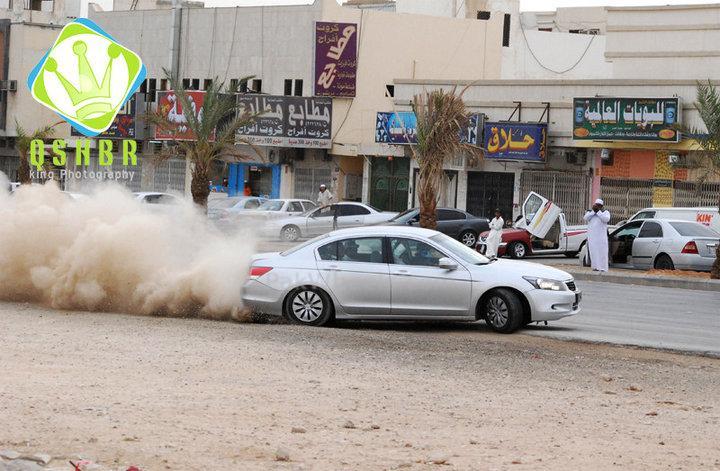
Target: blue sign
515,141
400,127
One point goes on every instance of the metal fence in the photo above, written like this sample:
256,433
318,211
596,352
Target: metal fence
623,198
570,191
689,194
169,176
308,180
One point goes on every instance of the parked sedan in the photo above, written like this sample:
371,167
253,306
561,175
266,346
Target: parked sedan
458,224
661,244
384,273
227,208
284,207
322,220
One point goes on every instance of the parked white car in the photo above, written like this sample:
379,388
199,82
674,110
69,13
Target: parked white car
154,197
227,208
407,273
661,244
279,208
322,220
707,216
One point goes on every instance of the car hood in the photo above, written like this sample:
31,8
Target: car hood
520,269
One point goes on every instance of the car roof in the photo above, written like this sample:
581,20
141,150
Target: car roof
383,230
151,193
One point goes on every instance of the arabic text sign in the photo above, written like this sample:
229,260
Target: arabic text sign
170,107
626,119
516,141
401,128
335,59
123,125
288,121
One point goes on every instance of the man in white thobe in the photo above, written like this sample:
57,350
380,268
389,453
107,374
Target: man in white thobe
495,236
597,219
324,197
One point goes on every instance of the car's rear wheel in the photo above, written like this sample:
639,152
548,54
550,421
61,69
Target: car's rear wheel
290,233
309,306
664,262
503,311
468,238
518,250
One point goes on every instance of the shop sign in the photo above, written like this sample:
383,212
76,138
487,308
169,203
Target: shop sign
335,59
515,141
400,127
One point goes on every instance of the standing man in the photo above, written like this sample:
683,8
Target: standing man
597,219
495,236
324,197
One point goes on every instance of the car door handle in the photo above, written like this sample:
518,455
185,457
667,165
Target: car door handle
656,241
401,273
332,267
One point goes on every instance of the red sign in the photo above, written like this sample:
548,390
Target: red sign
169,106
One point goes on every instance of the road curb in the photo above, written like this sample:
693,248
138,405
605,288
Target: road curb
649,280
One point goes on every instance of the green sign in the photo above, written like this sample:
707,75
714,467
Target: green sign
626,119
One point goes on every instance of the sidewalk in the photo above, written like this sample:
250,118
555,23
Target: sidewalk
636,277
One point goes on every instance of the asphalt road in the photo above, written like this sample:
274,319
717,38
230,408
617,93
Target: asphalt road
676,319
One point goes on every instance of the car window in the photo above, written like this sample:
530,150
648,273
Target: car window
413,252
460,250
364,249
352,210
631,229
324,212
693,229
532,206
644,215
309,205
159,199
405,216
272,205
222,203
650,229
449,215
295,207
252,204
292,250
328,251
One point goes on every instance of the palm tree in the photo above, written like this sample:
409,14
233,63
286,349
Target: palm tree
441,116
215,131
707,157
23,142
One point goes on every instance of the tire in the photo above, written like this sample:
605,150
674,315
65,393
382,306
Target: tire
571,254
664,262
308,306
585,262
503,311
290,233
468,238
517,250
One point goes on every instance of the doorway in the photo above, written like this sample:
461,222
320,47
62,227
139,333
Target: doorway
489,190
389,183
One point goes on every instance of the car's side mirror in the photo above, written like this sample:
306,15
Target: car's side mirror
447,264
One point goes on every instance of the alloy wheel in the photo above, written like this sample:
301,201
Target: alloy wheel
307,306
290,234
497,311
469,239
519,250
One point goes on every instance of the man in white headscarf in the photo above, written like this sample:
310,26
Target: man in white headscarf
597,219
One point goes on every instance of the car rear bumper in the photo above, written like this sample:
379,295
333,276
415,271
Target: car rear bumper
549,305
684,261
262,298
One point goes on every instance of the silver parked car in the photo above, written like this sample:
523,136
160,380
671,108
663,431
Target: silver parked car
661,244
405,273
322,220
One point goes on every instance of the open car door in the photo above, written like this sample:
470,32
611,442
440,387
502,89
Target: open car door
538,215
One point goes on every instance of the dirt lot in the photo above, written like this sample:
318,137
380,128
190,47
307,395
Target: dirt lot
165,393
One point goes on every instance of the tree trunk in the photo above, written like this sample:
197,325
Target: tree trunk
429,176
715,270
200,186
24,170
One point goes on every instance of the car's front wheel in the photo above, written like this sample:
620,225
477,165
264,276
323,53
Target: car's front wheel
503,311
290,233
468,238
518,250
309,306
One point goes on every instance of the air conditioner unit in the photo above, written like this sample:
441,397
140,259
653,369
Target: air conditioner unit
155,147
12,85
576,157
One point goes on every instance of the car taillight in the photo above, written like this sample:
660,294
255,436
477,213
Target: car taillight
259,271
690,247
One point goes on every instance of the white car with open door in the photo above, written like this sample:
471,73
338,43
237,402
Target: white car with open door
541,229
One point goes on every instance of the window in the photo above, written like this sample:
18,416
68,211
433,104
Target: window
352,210
151,89
644,215
325,212
650,229
295,207
252,204
298,87
483,15
163,84
546,30
186,84
628,230
328,251
693,229
195,84
309,205
365,250
256,86
506,31
288,87
449,215
414,252
460,250
207,83
389,91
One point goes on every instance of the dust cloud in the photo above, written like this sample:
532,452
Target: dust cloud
109,252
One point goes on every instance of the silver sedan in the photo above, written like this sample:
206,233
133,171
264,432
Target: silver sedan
404,273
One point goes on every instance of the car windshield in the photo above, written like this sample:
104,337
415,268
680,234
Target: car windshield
693,229
222,203
303,245
272,205
460,250
405,216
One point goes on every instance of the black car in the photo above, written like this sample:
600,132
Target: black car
458,224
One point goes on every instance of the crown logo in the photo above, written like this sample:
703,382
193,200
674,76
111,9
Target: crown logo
89,101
